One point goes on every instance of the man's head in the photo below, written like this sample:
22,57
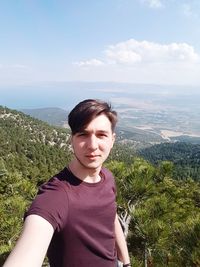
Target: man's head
92,124
84,112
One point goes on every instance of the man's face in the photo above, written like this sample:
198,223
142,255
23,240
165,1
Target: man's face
92,146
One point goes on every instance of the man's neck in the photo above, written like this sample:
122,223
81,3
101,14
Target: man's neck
89,175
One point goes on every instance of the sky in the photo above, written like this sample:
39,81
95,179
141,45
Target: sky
129,41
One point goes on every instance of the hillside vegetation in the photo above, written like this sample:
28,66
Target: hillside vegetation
185,157
160,211
31,147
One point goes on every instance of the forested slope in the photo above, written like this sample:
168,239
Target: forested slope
161,214
185,156
30,146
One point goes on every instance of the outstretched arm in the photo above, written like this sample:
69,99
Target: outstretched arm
33,243
122,250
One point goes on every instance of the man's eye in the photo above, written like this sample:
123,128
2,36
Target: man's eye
102,135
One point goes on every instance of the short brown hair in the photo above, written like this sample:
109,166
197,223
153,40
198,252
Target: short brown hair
84,112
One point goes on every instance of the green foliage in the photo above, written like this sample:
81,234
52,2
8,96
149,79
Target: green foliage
122,152
185,157
31,147
16,194
164,229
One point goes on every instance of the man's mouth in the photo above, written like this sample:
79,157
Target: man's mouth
92,156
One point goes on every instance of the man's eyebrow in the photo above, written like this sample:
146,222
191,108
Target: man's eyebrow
102,131
83,131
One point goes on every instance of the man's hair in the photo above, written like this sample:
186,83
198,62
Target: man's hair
84,112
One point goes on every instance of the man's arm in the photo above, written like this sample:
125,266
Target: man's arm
33,243
122,250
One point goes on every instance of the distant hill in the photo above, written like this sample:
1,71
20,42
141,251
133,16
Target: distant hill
53,116
186,139
137,126
134,136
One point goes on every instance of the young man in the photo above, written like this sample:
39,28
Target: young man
74,216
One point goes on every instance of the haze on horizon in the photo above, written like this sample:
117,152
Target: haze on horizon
66,94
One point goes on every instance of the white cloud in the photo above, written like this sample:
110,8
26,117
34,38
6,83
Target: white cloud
122,55
153,3
132,52
143,61
89,63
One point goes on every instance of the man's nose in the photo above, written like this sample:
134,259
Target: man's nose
92,142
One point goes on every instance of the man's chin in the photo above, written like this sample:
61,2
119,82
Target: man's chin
92,165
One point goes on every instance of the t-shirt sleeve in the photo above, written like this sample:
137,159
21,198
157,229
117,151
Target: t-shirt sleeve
51,203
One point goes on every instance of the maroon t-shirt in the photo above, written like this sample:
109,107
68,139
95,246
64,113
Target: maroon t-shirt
82,215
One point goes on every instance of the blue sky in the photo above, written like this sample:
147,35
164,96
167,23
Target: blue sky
135,41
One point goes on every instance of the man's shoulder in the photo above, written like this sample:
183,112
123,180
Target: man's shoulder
55,183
